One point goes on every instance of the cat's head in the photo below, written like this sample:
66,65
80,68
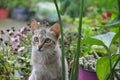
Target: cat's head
44,38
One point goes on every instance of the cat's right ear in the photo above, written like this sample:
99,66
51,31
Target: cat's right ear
34,25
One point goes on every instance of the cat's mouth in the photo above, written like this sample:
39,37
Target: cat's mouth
40,49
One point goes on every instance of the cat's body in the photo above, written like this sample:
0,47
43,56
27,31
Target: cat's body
46,54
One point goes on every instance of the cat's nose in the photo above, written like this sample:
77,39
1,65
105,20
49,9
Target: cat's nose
39,48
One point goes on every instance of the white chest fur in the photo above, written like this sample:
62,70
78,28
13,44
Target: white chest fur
46,65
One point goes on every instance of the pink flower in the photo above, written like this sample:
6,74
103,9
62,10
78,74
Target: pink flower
1,48
14,46
15,39
21,49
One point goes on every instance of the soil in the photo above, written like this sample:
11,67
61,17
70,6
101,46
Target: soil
8,23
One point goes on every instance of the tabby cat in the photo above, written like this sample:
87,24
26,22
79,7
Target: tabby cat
46,53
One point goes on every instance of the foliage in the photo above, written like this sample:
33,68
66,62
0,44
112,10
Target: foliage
105,40
91,6
104,69
4,3
15,53
31,4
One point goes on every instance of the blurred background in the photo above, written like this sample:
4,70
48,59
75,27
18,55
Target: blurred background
17,12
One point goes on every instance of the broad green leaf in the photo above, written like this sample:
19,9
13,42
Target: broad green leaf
106,38
103,66
102,39
92,41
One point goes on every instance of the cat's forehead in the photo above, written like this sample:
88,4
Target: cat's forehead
40,31
44,31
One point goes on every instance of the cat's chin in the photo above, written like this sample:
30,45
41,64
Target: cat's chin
40,50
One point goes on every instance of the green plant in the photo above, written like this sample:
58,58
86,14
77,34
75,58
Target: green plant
20,3
15,54
4,3
111,61
76,59
105,40
7,66
72,7
62,41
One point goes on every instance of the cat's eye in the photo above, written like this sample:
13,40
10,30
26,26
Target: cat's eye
36,39
47,40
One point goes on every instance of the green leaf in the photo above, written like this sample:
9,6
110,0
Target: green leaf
103,66
64,5
92,41
1,53
114,23
106,39
102,39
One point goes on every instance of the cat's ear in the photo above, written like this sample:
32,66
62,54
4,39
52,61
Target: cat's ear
34,25
56,29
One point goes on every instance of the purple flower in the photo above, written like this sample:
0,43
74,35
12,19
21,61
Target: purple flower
1,48
14,46
15,39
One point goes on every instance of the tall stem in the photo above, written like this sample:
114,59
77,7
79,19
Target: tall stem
119,30
62,41
78,52
119,6
118,60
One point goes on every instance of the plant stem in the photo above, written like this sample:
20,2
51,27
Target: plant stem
119,6
62,41
118,60
113,68
110,59
78,51
119,32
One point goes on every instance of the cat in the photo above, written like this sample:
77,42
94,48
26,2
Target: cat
46,53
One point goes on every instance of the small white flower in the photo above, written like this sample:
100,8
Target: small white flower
21,49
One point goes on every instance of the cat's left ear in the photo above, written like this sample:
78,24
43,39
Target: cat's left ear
56,29
34,25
